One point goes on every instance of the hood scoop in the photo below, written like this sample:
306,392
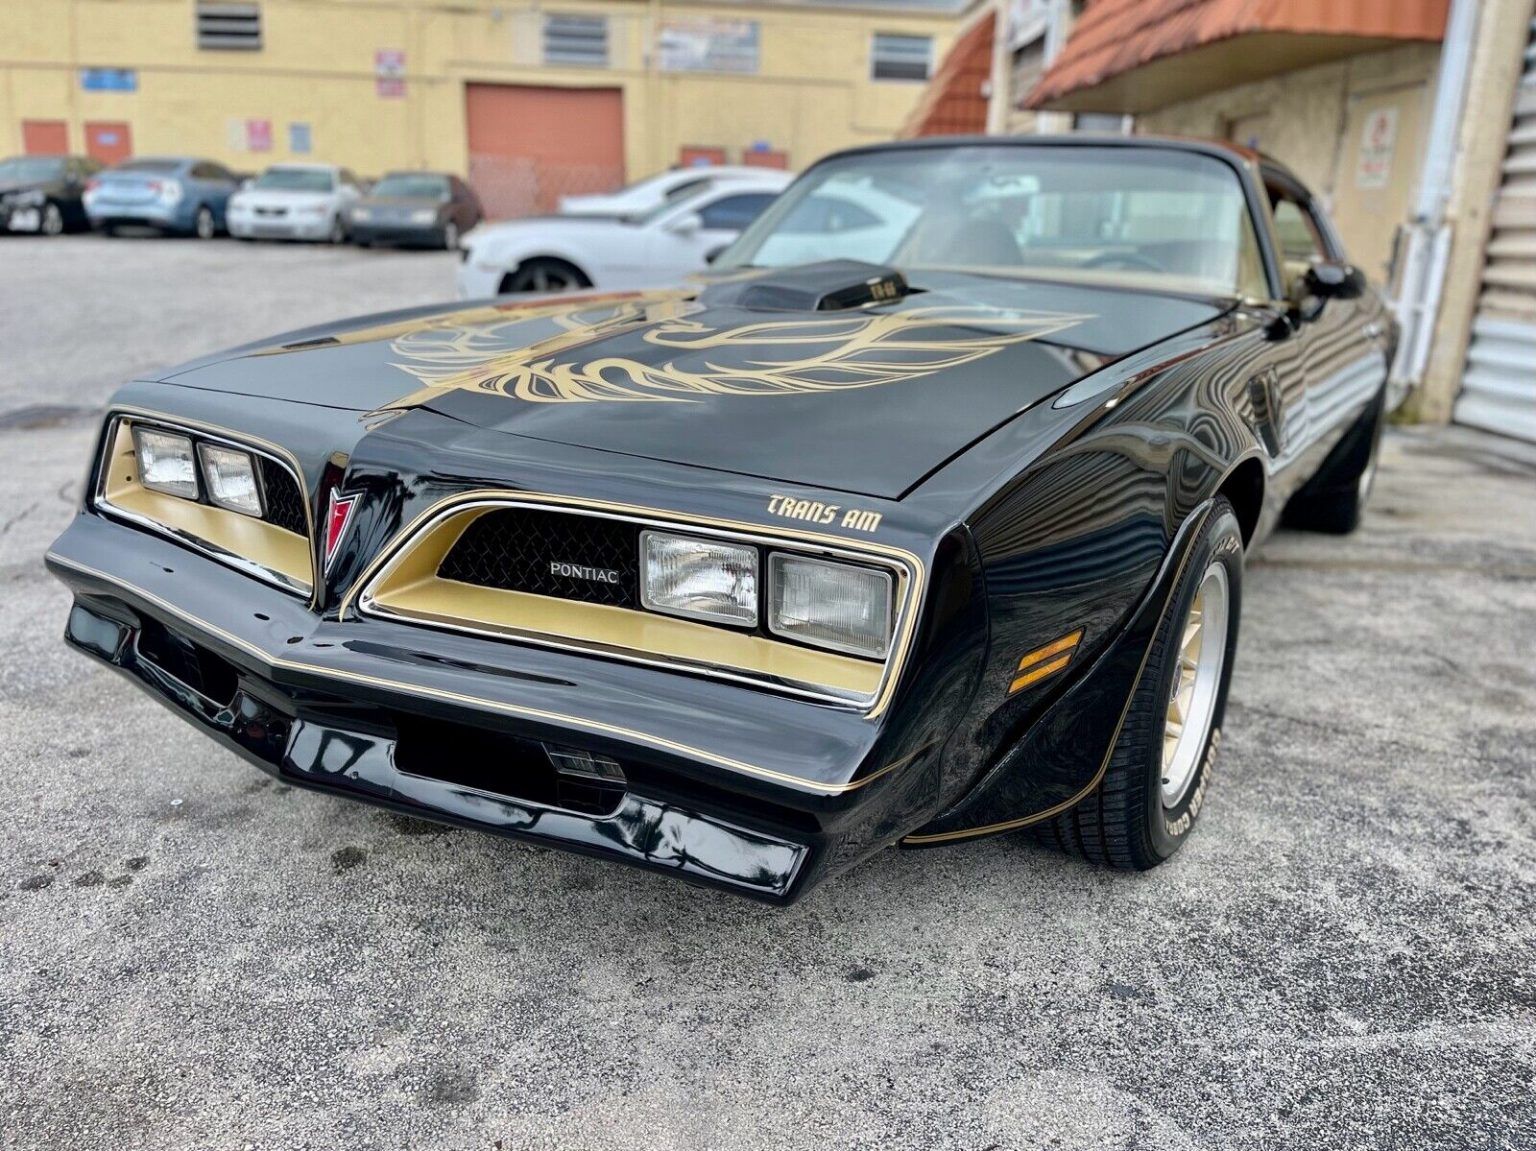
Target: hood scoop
830,286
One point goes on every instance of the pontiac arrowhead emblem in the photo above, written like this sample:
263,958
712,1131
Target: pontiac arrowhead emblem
336,522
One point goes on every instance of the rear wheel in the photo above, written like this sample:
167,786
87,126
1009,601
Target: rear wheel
1334,500
545,275
1154,787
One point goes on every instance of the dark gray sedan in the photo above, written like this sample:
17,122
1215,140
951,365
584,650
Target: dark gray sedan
419,208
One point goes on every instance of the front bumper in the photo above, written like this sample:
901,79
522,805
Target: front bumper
151,214
279,228
21,217
454,728
475,282
414,235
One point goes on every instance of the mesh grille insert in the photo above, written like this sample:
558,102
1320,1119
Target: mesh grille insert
285,504
528,550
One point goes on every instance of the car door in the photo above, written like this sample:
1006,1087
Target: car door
1343,361
686,239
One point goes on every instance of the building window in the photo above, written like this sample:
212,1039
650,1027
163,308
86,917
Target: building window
226,26
570,39
894,57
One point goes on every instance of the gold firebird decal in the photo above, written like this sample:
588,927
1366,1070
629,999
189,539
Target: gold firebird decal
828,353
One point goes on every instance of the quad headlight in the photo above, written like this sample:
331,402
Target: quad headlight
166,462
230,476
698,578
841,607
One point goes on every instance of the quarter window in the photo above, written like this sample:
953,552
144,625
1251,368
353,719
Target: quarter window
572,39
896,57
226,26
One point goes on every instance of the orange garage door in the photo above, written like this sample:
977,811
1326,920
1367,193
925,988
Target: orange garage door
530,146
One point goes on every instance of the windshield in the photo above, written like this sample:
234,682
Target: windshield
27,169
1160,218
411,186
672,201
295,180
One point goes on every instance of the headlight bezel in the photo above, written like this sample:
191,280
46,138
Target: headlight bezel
141,433
257,547
753,603
778,560
210,489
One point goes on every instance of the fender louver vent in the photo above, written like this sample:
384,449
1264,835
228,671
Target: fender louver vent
826,287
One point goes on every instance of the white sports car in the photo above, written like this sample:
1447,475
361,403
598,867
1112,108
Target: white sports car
560,253
295,202
663,188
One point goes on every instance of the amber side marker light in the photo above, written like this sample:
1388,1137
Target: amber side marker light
1045,661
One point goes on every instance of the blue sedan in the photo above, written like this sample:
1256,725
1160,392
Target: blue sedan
180,195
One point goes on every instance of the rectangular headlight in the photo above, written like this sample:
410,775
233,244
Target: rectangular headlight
836,606
166,463
231,479
698,579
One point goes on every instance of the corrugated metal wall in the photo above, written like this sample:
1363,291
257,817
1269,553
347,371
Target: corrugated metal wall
1499,388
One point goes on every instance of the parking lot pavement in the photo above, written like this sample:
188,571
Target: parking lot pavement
192,955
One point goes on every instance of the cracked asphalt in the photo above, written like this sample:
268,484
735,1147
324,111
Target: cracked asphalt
193,956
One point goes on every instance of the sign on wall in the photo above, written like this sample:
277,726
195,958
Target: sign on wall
389,73
109,79
1378,141
700,44
300,138
258,135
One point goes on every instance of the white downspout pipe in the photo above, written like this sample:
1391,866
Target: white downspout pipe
1427,234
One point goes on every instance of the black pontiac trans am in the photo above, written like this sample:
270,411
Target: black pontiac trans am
921,516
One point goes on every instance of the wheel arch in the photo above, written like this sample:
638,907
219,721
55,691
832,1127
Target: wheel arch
1244,485
504,284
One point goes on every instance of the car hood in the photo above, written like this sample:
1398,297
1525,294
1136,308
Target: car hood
866,400
542,227
9,186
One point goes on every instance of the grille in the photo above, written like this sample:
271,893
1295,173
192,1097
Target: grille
285,503
513,548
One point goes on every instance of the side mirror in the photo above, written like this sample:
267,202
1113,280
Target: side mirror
687,224
1331,280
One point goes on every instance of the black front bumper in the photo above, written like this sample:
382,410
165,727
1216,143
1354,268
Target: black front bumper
409,719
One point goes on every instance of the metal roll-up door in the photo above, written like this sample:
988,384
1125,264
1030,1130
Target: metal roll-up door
1499,387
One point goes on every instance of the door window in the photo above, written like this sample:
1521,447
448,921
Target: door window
1301,240
733,213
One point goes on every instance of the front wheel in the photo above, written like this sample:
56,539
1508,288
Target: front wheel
204,227
451,236
338,232
1154,786
53,220
545,275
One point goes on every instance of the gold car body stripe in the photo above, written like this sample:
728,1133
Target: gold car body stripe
1098,776
592,725
906,622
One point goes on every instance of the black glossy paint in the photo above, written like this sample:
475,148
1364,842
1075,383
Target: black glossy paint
1047,486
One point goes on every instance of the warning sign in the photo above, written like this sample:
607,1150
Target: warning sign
1378,140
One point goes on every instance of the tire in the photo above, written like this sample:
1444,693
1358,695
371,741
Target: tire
450,237
1144,810
544,275
53,220
1334,500
338,232
204,226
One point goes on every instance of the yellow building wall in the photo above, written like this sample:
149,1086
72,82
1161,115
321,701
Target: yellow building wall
812,93
1308,119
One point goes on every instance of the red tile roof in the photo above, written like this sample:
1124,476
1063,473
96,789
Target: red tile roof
955,102
1113,37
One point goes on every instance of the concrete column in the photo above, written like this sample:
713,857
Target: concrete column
1498,58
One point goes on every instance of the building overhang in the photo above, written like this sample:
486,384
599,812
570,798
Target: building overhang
1131,56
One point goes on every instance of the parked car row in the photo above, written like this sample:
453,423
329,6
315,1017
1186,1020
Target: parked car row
667,225
188,196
